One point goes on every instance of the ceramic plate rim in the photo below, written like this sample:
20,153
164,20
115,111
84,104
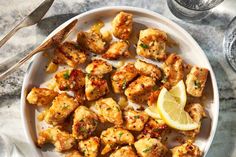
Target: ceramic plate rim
143,11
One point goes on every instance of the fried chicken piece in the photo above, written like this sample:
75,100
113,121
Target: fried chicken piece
135,120
69,53
139,90
125,151
98,67
90,147
152,99
148,69
91,41
186,150
115,136
62,140
96,87
196,112
154,129
62,106
150,147
116,50
41,96
173,69
109,110
122,25
70,79
122,77
84,123
196,81
152,44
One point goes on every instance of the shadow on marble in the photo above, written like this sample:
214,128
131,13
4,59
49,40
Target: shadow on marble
224,138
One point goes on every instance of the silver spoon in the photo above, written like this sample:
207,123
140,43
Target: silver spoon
54,41
33,18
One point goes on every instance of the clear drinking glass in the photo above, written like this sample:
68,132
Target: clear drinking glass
192,10
229,44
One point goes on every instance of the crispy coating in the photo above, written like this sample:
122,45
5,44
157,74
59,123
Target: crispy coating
150,147
91,41
96,87
154,129
148,69
186,150
62,140
90,147
173,69
196,81
62,106
84,123
152,99
69,53
122,25
152,44
196,112
109,110
116,50
123,76
74,153
70,79
41,96
139,90
98,67
115,136
135,120
125,151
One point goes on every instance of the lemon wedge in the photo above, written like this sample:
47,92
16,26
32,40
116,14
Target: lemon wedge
179,93
153,112
173,113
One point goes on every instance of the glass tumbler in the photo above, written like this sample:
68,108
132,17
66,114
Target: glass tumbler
229,43
192,10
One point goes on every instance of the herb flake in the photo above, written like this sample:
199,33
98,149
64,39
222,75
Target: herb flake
144,46
120,134
136,116
66,75
147,149
124,84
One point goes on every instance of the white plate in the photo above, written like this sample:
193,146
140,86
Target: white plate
188,49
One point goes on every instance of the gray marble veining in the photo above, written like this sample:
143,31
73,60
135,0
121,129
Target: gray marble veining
208,33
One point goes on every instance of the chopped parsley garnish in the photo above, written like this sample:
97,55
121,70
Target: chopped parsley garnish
144,45
197,84
66,75
155,88
82,129
124,84
136,116
147,149
120,134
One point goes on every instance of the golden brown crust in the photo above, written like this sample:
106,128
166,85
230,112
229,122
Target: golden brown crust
84,123
139,90
62,140
186,150
122,25
70,79
116,50
122,77
69,53
41,96
152,44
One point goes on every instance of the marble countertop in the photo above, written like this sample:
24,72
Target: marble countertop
208,33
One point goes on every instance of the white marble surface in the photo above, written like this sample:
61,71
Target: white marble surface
208,33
